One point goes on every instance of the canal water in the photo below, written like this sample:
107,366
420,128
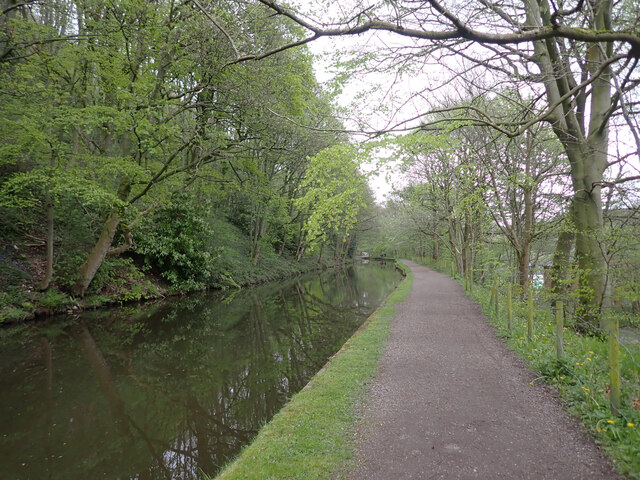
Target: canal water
172,389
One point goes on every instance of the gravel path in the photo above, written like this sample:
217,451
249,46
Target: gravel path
451,402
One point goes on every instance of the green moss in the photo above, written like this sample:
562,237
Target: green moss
312,437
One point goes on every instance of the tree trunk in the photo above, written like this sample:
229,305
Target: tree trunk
588,220
345,250
586,147
48,273
560,266
523,254
96,257
435,248
522,258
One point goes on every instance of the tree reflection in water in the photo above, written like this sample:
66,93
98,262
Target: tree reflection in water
173,389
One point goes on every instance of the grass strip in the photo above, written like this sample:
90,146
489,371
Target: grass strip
312,437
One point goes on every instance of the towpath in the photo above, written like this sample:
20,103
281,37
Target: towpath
451,402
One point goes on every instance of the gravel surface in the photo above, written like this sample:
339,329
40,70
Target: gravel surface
451,402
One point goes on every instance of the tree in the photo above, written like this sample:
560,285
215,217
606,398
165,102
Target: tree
115,109
569,56
334,193
446,198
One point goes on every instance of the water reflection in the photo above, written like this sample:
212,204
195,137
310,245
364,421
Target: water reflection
172,389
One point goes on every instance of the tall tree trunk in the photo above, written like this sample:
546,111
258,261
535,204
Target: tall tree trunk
522,258
560,266
591,267
96,257
586,147
524,253
347,246
435,249
48,272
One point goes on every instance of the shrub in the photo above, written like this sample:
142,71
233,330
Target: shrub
176,245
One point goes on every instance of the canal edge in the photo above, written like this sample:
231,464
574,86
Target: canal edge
405,271
313,435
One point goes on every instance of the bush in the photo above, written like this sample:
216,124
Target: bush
176,245
54,300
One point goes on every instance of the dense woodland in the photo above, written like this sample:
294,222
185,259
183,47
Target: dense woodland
137,156
170,146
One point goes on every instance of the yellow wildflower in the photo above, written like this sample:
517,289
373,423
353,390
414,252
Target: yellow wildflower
611,422
630,425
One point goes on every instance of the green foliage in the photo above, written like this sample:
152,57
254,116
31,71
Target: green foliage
67,269
15,300
142,94
54,300
334,193
176,245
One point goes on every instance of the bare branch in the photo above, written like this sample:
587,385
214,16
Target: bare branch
532,34
217,24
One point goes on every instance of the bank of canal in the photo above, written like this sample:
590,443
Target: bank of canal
173,389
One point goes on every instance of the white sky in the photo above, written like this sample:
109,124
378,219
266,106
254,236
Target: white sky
386,178
403,88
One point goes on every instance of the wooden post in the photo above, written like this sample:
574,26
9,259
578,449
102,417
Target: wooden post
509,307
530,314
494,294
559,329
614,366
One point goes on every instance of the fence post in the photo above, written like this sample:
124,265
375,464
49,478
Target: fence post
530,314
614,365
494,295
559,329
509,306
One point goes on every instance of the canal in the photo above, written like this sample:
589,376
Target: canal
172,389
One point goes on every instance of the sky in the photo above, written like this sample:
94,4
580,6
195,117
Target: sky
382,179
405,87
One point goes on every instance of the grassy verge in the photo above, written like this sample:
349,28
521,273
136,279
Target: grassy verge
581,377
312,436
